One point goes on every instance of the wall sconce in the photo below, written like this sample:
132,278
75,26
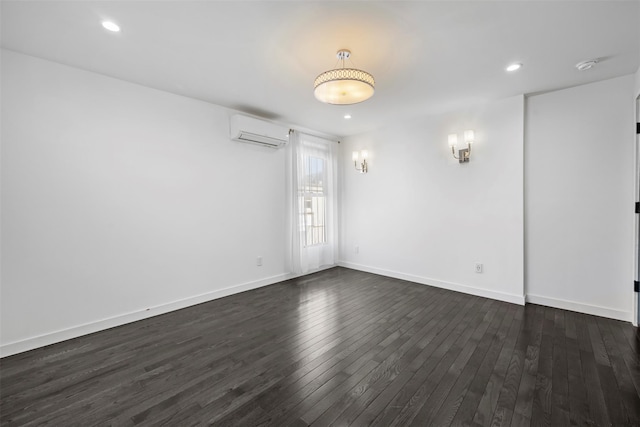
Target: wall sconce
465,153
363,164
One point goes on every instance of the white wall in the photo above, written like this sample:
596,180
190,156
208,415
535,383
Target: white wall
420,215
118,198
120,202
579,194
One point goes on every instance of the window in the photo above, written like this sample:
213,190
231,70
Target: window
312,201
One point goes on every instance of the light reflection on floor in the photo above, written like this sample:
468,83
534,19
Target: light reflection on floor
316,316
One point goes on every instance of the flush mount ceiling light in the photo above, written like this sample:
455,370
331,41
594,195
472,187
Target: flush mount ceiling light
344,86
514,67
585,65
111,26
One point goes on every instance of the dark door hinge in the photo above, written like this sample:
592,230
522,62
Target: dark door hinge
638,207
638,128
636,286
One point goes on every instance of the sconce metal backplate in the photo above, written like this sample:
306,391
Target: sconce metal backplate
364,168
463,155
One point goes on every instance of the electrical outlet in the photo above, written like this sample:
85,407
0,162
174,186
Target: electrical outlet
357,249
259,261
478,267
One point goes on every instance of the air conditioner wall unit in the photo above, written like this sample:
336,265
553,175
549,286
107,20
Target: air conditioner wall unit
256,131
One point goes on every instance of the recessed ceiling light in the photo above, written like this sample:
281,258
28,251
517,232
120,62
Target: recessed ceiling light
111,26
585,65
347,116
514,67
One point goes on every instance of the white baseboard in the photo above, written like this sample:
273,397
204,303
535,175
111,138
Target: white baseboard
89,328
486,293
581,307
100,325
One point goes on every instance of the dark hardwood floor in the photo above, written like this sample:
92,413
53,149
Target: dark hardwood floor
340,347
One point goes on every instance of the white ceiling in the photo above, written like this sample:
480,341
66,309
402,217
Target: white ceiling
262,57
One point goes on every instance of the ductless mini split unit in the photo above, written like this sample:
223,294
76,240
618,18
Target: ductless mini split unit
256,131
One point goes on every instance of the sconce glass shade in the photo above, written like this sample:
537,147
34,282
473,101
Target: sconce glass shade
453,139
364,154
354,156
469,136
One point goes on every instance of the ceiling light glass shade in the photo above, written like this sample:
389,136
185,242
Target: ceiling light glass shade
344,86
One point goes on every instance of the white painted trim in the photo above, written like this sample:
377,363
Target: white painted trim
486,293
122,319
580,307
636,221
315,270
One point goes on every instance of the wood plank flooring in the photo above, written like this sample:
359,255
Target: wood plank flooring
339,347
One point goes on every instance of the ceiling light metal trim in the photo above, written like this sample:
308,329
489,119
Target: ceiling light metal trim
344,86
345,74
